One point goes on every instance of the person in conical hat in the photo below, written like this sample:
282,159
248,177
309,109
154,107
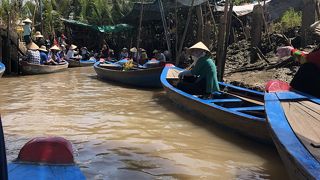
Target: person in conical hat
39,40
203,75
27,30
307,79
71,53
43,55
33,54
54,55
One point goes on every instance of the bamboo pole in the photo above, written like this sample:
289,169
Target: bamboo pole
140,24
165,26
185,32
213,21
176,24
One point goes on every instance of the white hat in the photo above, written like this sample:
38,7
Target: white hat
201,46
72,47
38,34
55,47
32,46
27,21
43,48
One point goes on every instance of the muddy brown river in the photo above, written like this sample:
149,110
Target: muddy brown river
119,132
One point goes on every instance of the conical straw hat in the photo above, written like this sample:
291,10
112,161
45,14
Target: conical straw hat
201,46
32,46
134,50
72,47
43,48
55,47
315,28
27,21
38,34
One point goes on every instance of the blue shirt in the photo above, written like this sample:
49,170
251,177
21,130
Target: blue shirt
43,57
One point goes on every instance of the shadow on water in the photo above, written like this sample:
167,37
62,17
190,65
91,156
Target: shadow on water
266,151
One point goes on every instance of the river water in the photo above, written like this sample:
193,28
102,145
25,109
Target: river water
120,132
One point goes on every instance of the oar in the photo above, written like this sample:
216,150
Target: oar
3,158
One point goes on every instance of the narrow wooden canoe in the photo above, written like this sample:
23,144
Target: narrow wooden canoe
81,63
41,158
2,69
294,123
148,78
237,108
31,69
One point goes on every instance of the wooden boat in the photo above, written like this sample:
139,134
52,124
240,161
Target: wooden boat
237,108
141,77
81,63
41,158
31,69
2,69
294,122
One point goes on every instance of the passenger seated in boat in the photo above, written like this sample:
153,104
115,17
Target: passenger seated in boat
307,79
202,78
62,53
133,54
71,53
160,57
141,56
85,54
39,40
104,53
124,54
54,55
43,55
33,54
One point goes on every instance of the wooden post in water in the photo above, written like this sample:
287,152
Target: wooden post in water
309,16
185,32
256,31
200,23
8,49
140,24
223,38
176,24
165,26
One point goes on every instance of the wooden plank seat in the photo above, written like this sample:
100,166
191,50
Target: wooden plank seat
251,108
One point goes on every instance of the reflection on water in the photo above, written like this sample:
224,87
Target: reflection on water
126,133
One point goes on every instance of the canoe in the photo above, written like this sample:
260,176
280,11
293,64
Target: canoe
294,122
81,63
41,158
2,69
31,69
140,77
236,108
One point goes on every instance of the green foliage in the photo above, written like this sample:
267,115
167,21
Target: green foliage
240,2
290,19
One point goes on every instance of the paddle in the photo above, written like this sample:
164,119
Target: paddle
3,158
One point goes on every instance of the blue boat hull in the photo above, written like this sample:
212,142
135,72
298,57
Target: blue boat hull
21,171
2,69
248,125
299,162
147,78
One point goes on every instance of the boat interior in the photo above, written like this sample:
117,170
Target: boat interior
304,119
231,97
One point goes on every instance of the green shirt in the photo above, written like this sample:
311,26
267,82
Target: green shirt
205,68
